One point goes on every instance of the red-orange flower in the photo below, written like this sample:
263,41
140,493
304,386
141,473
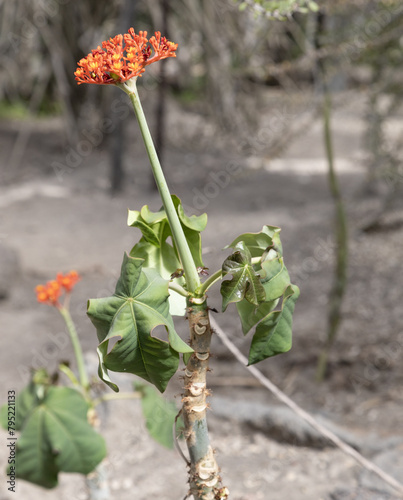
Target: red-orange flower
68,280
123,57
50,293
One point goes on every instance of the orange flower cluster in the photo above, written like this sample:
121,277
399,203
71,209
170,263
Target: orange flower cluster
68,280
50,293
123,57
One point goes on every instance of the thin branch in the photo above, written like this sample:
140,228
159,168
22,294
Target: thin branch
113,396
176,442
367,464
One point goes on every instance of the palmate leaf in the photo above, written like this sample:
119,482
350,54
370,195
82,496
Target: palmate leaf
273,326
55,435
257,243
156,250
274,277
139,304
159,414
26,399
244,283
274,333
250,315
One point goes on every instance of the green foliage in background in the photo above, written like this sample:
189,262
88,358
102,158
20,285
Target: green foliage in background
55,435
279,9
159,414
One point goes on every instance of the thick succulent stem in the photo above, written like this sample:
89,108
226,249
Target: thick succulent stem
203,471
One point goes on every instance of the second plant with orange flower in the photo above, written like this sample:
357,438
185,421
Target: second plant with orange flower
57,425
51,292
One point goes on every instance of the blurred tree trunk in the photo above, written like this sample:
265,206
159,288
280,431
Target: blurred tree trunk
117,139
338,289
160,122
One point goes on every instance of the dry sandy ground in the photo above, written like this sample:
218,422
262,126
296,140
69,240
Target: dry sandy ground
75,224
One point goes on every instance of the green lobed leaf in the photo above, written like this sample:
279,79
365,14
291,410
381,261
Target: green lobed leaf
163,259
244,283
156,250
26,399
197,223
250,315
148,234
139,304
274,333
159,415
257,243
55,435
270,270
152,217
274,278
273,327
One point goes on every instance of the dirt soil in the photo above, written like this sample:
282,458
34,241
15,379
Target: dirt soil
73,223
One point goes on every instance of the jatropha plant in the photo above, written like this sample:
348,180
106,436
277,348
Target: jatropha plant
54,427
55,424
159,280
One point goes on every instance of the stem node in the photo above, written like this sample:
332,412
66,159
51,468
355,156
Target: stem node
202,356
199,329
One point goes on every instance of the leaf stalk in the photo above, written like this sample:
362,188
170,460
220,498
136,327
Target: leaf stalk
178,289
217,276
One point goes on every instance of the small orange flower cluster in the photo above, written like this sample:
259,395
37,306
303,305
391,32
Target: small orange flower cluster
116,62
50,293
68,280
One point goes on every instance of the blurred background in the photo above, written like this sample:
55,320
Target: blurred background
273,112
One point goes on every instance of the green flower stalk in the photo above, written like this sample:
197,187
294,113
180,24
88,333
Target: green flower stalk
50,294
84,382
191,274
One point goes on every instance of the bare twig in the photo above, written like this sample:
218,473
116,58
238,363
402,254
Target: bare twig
176,443
367,464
